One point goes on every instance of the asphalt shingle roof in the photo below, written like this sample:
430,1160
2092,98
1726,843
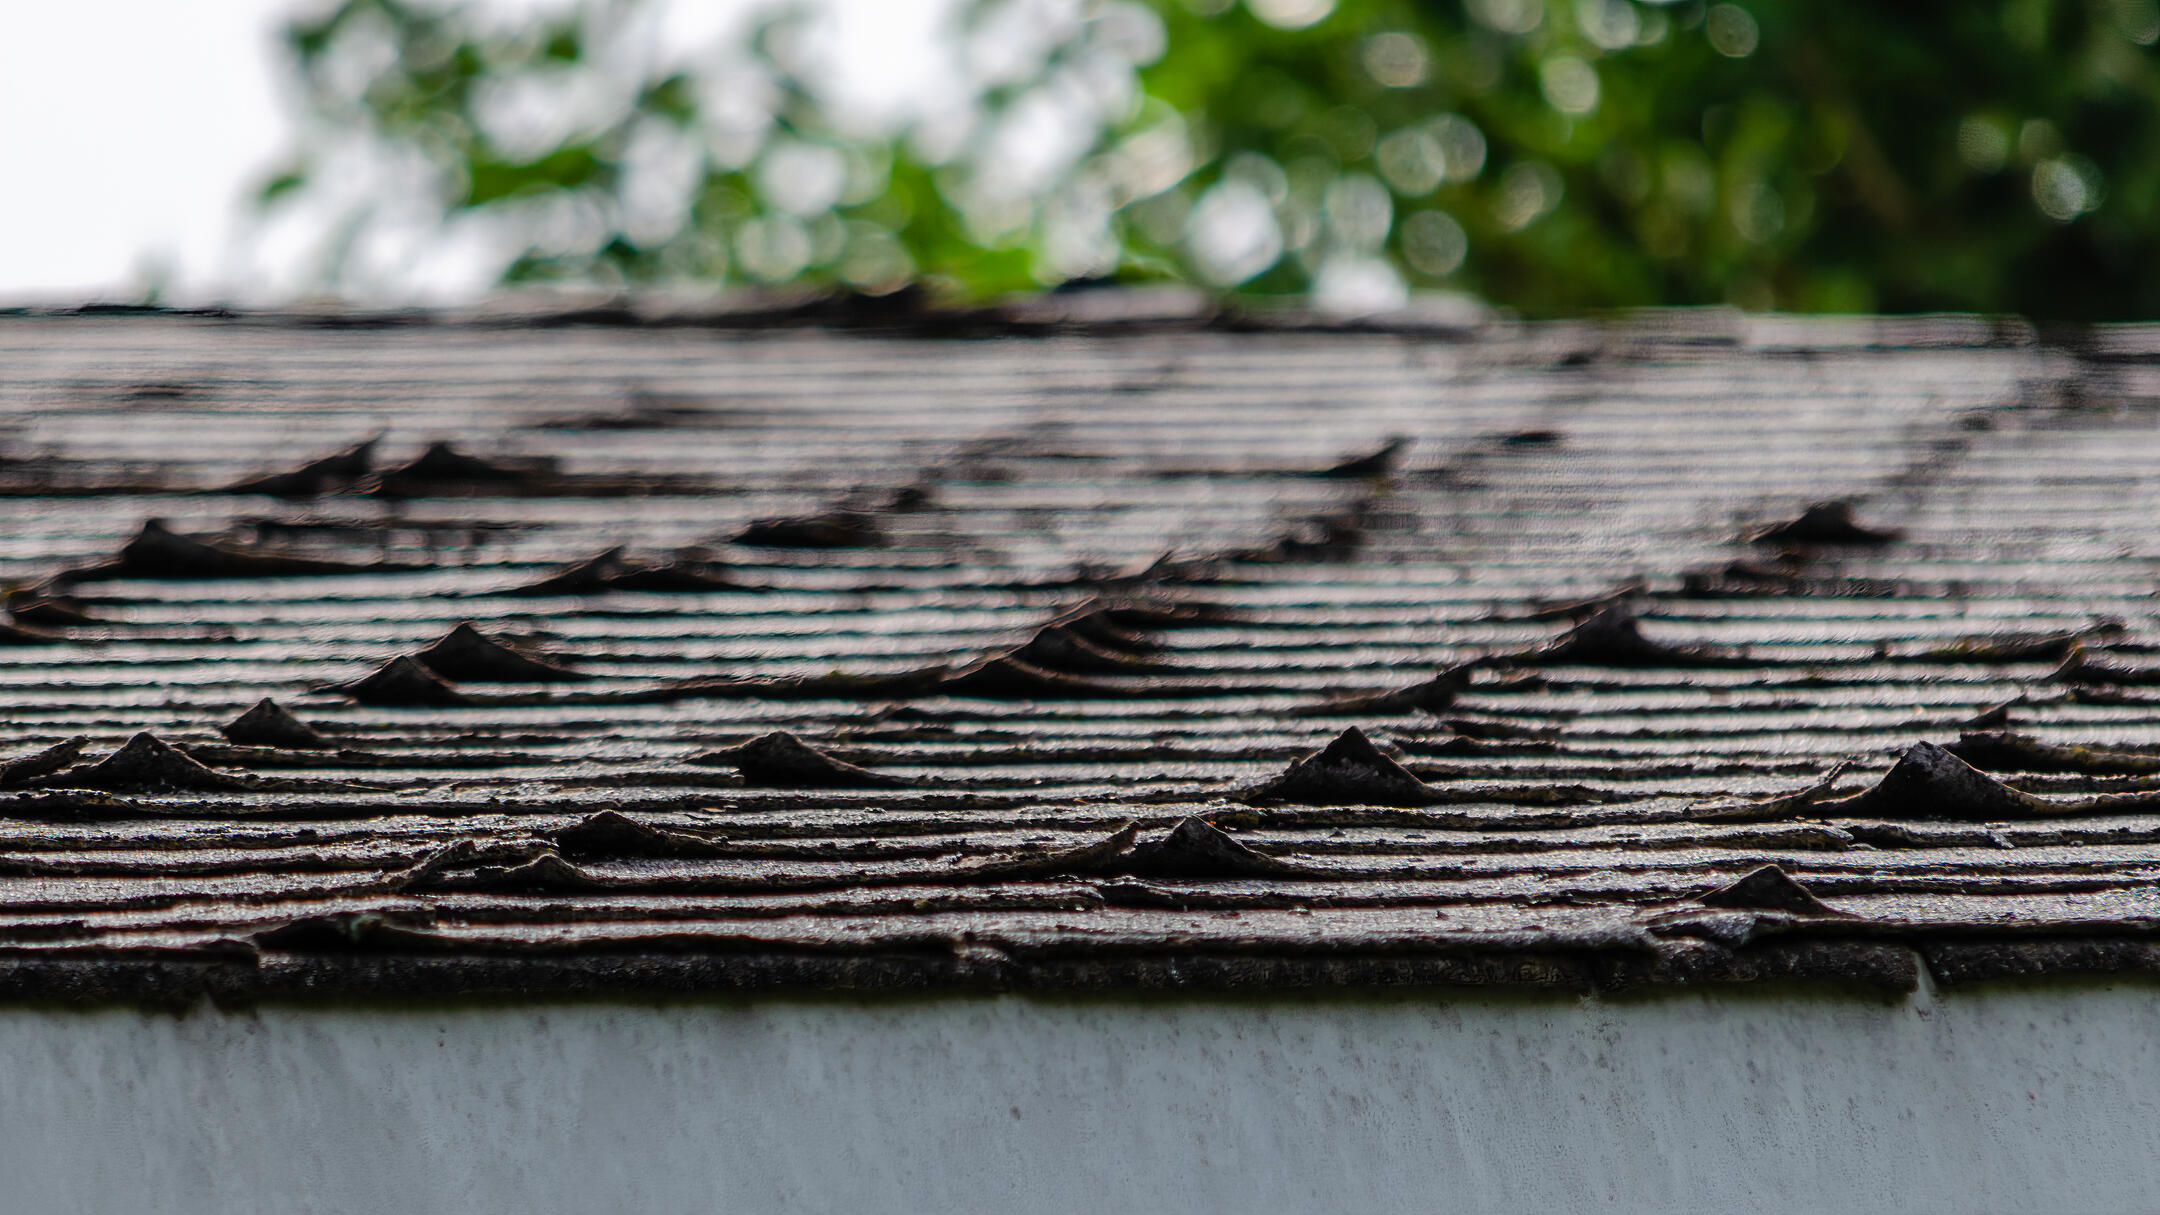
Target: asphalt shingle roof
1133,655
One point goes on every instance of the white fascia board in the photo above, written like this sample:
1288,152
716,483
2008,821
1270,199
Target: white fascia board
2032,1099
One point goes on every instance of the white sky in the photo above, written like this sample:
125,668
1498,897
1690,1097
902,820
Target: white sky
129,128
134,132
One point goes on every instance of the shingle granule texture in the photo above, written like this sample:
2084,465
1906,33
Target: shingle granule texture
628,657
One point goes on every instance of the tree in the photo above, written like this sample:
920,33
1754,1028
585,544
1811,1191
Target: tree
1548,155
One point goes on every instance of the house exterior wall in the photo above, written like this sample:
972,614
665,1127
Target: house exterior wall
2004,1100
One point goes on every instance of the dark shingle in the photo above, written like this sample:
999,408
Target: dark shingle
1582,685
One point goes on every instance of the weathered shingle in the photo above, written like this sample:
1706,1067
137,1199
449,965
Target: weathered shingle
1130,658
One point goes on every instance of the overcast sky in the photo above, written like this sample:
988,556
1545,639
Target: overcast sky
135,131
130,127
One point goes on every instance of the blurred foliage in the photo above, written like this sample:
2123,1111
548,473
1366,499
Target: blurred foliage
1547,155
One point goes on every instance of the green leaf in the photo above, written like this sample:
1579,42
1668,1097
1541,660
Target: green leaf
566,168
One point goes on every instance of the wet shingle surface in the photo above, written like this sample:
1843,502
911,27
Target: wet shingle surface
611,657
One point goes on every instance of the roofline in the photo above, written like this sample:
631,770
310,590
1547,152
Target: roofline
1884,967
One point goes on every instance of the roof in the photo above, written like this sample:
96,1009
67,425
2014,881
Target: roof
1674,648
